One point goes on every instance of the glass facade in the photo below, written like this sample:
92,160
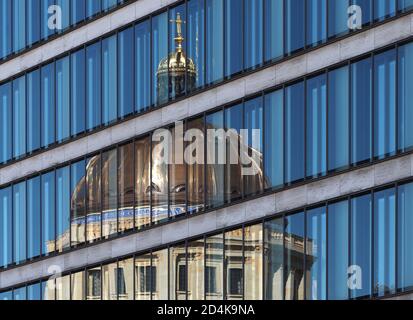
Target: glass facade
138,68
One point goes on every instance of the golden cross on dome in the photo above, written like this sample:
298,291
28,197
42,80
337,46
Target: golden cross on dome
178,39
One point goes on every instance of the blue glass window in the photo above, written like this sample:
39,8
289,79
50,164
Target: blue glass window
316,126
142,65
8,295
19,25
294,261
366,10
316,21
337,17
92,8
274,140
33,110
294,25
253,33
48,212
274,29
126,94
93,86
6,243
19,294
78,94
384,9
196,38
214,40
316,254
385,104
159,52
6,122
405,97
33,21
361,111
65,6
405,5
338,119
233,36
78,202
110,89
78,11
19,222
5,29
33,218
19,117
253,117
294,131
108,4
338,249
48,105
384,242
405,237
62,99
361,232
109,193
46,32
93,198
63,208
34,292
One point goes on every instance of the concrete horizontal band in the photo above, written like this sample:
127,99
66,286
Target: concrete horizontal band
309,62
77,37
284,201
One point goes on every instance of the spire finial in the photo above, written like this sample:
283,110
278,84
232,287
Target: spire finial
179,38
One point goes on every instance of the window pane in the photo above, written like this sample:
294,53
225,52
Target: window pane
214,267
94,284
143,277
337,17
316,21
233,126
215,40
6,243
110,291
177,176
366,9
63,208
234,265
405,5
78,11
215,153
253,251
195,171
274,29
253,33
274,140
159,54
142,65
405,237
109,193
385,104
93,85
124,280
177,273
384,242
233,36
126,187
294,257
6,122
19,222
78,202
33,111
8,295
405,97
361,109
109,67
108,4
5,30
361,246
19,117
196,274
19,25
126,103
20,294
338,119
45,30
159,185
78,286
160,275
65,5
196,39
48,105
93,200
253,184
294,25
63,288
48,290
62,99
384,9
316,126
78,91
33,218
143,182
338,250
48,212
34,292
92,8
273,259
294,113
